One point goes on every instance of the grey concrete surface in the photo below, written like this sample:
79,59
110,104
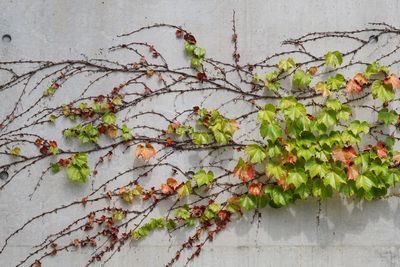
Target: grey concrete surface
348,233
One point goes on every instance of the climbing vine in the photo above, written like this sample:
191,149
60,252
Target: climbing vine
269,133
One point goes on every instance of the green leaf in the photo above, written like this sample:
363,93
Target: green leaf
78,170
272,86
334,178
53,118
357,127
211,211
388,117
199,52
200,138
333,104
256,153
196,62
271,130
274,169
267,113
278,196
184,190
247,202
203,178
344,113
297,177
15,151
189,48
333,58
88,134
109,118
285,65
222,138
271,76
76,174
304,190
55,167
376,68
126,133
365,182
79,159
118,216
337,82
327,118
183,212
320,190
256,78
50,91
301,79
382,91
316,169
362,160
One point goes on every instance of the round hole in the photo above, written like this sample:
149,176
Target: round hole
6,38
3,175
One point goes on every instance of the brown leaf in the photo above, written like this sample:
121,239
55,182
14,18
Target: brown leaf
189,38
146,152
84,201
312,70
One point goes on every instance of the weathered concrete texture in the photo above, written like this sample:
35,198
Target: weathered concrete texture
346,233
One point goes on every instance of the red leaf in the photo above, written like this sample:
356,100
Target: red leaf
201,76
179,33
224,215
393,80
169,142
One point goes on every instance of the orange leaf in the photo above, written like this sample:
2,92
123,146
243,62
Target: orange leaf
244,170
352,172
353,87
146,152
171,182
381,150
255,189
166,189
360,79
345,154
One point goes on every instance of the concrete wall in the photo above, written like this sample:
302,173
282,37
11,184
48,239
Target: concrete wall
347,234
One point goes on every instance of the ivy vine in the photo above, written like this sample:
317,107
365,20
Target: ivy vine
298,136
